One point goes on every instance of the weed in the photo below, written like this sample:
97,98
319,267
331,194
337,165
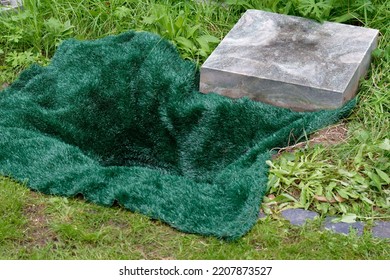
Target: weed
195,28
176,25
320,10
312,179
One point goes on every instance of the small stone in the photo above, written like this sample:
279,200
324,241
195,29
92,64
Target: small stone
381,230
298,217
8,5
262,215
344,228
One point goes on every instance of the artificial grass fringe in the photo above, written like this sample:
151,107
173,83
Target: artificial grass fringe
121,119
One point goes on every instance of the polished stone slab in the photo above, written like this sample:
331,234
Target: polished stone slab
289,61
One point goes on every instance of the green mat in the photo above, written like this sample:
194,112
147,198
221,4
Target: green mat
120,119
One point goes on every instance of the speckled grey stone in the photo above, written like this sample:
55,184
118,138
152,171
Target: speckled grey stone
298,217
9,5
289,61
344,228
381,230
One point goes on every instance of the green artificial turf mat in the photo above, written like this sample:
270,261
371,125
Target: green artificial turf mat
120,119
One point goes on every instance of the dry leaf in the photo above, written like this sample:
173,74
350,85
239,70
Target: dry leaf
336,198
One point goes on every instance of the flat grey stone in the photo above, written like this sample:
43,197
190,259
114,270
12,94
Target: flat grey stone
289,61
344,228
8,5
298,217
381,230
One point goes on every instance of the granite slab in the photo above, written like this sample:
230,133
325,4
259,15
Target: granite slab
289,61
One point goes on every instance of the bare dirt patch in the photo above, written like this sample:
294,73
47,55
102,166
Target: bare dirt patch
38,231
328,136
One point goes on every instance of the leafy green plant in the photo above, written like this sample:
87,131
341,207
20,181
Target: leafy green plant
316,9
21,60
54,32
313,180
177,27
320,10
15,62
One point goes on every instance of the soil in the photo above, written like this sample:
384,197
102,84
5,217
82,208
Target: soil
328,136
37,229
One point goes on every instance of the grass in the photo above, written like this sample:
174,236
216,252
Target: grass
45,227
350,177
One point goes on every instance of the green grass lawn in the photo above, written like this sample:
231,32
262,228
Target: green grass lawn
36,226
357,168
